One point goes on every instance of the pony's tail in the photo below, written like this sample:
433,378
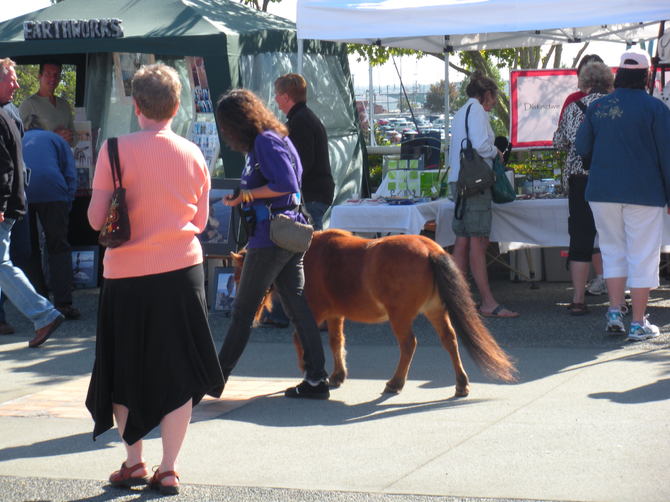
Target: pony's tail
457,299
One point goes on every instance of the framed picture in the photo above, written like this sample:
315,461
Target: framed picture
85,266
223,290
222,231
125,66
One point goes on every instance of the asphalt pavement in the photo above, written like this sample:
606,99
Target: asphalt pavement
587,420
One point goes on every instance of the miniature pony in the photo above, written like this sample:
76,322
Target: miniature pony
394,279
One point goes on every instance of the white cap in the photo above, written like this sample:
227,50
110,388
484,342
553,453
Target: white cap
634,61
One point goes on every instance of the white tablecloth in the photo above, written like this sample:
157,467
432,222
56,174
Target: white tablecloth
539,222
383,218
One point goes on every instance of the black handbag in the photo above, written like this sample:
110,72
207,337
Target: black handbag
474,175
116,229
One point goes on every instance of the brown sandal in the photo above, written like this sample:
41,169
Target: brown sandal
122,478
155,482
578,309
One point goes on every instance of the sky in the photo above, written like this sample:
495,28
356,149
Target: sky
428,70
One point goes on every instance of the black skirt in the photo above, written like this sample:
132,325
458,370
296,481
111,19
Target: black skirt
154,350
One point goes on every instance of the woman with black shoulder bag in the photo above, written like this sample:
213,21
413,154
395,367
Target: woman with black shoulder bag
270,189
472,222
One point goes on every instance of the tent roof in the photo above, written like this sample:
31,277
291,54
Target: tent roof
141,20
479,24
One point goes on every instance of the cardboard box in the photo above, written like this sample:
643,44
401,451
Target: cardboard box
555,265
528,264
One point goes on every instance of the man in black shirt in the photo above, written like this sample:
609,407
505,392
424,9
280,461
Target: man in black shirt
309,136
310,139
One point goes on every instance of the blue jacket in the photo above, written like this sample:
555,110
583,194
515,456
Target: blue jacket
53,176
627,134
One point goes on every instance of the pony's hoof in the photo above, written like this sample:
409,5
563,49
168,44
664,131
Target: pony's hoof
462,392
334,382
392,390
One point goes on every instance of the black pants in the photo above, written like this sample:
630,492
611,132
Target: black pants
54,218
581,227
284,269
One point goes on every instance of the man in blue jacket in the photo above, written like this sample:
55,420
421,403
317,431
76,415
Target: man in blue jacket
14,284
627,135
53,182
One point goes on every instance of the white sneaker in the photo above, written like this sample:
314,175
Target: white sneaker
596,287
644,331
614,323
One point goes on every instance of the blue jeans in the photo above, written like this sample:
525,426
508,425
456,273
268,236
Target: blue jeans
263,267
18,289
316,210
19,252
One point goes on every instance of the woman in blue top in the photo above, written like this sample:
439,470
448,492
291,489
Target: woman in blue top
627,133
271,178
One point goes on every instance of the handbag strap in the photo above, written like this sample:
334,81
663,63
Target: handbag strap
468,144
113,151
583,107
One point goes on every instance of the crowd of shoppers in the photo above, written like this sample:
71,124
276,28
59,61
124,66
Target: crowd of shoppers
155,358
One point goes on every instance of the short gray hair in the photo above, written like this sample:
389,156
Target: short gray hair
595,77
5,65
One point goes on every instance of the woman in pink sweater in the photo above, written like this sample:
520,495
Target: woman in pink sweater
155,358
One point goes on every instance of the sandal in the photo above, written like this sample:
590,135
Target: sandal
123,479
499,311
578,309
155,482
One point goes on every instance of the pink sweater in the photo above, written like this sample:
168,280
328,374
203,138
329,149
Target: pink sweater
167,190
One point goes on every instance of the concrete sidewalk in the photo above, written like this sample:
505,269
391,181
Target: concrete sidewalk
587,421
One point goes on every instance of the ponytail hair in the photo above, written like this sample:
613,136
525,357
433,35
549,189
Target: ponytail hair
479,85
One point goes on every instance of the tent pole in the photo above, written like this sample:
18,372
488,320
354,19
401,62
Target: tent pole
446,102
299,69
371,107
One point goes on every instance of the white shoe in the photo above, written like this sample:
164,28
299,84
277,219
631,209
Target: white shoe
596,287
615,323
644,331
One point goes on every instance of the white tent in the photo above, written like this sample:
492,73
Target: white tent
438,26
478,24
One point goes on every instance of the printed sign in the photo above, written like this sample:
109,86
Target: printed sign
535,104
72,28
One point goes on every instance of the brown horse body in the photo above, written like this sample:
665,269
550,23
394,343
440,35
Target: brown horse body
394,279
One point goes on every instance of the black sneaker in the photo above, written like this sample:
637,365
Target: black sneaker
308,391
69,312
271,323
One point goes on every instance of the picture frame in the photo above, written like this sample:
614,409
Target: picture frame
125,66
217,236
85,262
222,290
221,234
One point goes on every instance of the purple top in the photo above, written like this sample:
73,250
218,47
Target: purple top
273,162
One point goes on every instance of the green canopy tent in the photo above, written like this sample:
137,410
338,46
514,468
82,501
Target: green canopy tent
240,47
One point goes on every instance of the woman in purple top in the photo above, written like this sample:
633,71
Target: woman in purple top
270,183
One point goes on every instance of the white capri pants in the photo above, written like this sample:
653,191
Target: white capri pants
630,238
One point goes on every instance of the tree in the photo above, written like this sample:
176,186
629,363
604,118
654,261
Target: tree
261,5
435,97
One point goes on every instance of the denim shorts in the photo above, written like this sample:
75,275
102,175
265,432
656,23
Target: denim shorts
476,221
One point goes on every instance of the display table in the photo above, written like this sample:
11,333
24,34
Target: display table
372,217
538,222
